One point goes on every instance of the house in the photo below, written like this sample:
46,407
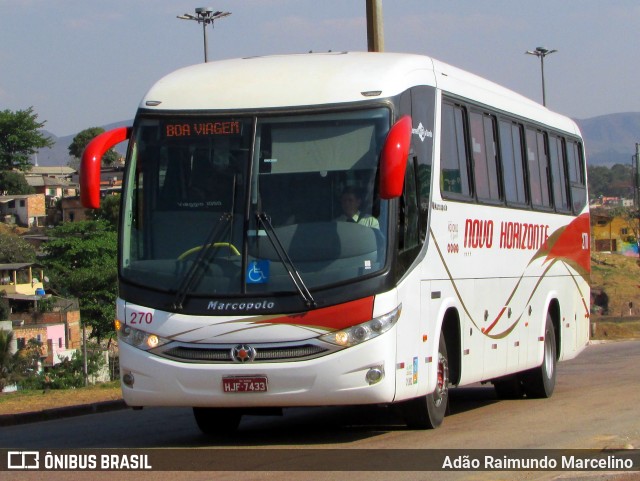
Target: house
24,210
614,234
110,184
59,334
19,279
54,182
72,209
58,330
110,180
53,188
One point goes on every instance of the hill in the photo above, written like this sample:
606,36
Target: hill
59,153
609,139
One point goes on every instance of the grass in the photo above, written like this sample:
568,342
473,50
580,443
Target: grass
37,400
615,331
619,277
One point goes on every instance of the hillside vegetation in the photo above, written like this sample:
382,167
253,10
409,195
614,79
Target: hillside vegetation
619,278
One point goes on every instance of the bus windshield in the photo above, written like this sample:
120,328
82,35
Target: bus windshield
242,205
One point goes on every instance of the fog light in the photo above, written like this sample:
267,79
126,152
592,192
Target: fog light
375,375
128,379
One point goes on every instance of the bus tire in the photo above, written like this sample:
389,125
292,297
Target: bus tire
217,421
541,381
427,412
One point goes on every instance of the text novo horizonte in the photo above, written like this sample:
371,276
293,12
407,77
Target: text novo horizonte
480,234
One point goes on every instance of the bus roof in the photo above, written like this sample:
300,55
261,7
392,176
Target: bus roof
278,81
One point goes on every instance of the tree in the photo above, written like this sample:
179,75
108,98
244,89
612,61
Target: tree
21,366
20,138
81,140
14,183
614,182
15,249
5,309
109,210
80,258
599,180
26,366
6,359
69,373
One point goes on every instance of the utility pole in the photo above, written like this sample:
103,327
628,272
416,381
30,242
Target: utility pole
206,16
636,179
541,53
375,31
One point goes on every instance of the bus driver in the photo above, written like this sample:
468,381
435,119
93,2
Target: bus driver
351,201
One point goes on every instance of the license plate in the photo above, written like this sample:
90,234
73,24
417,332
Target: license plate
244,384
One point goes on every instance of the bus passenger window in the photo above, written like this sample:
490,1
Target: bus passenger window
484,156
558,174
538,168
575,163
453,155
512,166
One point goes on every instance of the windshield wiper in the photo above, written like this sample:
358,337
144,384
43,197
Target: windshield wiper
294,274
196,271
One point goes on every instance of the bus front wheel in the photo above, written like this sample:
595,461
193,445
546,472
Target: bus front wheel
217,421
427,412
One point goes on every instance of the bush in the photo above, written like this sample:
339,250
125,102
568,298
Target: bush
67,374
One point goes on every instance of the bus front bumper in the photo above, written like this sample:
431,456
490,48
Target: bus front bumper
340,378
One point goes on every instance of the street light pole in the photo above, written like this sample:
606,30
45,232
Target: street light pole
541,52
205,16
375,32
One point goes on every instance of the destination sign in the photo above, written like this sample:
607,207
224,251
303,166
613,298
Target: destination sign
203,129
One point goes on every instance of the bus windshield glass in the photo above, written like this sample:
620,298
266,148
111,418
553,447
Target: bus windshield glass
237,205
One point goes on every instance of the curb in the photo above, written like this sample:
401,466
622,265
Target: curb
63,412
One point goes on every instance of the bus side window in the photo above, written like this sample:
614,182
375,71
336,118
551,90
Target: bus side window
538,161
576,176
512,162
483,142
558,174
453,155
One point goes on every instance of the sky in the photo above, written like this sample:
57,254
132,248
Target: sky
86,63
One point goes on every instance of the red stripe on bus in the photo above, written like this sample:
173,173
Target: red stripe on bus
331,318
488,329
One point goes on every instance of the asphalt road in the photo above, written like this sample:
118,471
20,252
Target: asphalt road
595,405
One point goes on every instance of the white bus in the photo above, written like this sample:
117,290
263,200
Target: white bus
344,229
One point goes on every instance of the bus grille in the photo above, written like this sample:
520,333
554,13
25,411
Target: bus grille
218,354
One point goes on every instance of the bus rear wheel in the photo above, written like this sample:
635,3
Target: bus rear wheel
541,381
217,421
427,412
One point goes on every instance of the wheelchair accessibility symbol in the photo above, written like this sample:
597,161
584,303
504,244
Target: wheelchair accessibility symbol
258,272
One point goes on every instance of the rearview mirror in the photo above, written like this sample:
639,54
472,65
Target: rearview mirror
90,164
393,159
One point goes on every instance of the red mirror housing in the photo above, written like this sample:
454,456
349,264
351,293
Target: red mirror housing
393,160
90,164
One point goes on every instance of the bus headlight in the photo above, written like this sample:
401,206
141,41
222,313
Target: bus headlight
363,332
137,338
